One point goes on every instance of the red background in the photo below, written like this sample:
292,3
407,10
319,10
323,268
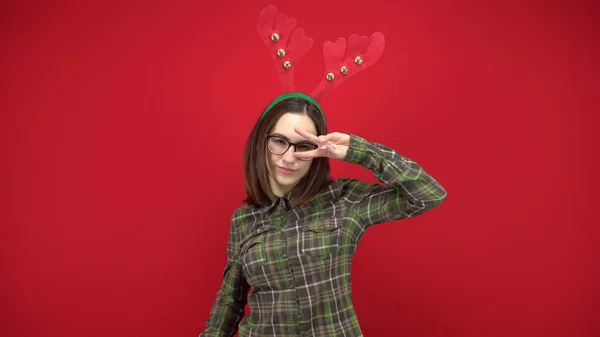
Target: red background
123,124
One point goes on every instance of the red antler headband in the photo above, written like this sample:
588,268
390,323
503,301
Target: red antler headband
287,44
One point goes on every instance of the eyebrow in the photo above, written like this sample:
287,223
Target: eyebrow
303,141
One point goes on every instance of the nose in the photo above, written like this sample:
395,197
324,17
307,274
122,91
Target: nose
288,156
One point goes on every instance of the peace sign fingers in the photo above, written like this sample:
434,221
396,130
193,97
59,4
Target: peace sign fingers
333,145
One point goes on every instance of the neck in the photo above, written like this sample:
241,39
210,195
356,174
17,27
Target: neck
278,190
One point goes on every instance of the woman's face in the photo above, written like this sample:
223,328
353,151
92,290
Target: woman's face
285,170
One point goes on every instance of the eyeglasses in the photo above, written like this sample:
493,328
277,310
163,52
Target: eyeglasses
279,145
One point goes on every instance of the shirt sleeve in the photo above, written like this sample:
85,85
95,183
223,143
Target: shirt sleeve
407,189
228,309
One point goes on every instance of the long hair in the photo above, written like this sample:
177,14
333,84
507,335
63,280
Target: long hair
258,188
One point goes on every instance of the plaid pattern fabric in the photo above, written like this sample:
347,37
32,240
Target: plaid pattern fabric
297,259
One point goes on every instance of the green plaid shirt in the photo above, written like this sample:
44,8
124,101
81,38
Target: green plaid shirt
297,259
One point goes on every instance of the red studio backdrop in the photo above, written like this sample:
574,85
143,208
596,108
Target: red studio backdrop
123,124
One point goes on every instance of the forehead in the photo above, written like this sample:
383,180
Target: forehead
288,121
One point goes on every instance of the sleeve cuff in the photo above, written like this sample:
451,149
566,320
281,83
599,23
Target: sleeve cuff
357,150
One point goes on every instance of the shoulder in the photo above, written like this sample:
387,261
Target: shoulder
242,215
239,213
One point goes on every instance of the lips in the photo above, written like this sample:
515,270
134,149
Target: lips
285,170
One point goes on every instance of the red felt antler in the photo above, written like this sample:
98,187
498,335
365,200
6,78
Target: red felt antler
286,44
343,61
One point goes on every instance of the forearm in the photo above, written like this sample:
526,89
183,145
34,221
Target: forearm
408,190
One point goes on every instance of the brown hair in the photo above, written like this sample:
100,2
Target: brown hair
258,188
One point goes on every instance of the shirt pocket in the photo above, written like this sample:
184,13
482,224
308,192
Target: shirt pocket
321,240
253,254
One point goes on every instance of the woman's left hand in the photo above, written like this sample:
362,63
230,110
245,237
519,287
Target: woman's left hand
334,145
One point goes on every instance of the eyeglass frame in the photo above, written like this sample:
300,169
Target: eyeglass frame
289,145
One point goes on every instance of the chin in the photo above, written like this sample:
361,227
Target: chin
287,182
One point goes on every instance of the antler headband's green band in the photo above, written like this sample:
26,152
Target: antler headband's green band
293,95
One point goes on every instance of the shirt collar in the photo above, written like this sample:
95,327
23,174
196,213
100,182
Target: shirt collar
331,192
286,198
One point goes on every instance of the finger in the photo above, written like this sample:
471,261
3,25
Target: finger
319,152
307,135
329,150
308,154
330,138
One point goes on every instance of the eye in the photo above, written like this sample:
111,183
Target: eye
278,141
305,147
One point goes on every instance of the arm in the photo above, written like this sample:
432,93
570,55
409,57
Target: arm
228,308
407,191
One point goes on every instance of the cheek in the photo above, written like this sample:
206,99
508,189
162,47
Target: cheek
305,167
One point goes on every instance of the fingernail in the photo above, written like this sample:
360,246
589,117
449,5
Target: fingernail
323,147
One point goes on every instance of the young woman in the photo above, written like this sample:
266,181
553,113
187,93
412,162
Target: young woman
292,242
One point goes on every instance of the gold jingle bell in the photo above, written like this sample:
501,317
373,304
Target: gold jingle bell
344,70
287,64
330,76
275,37
281,52
358,60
